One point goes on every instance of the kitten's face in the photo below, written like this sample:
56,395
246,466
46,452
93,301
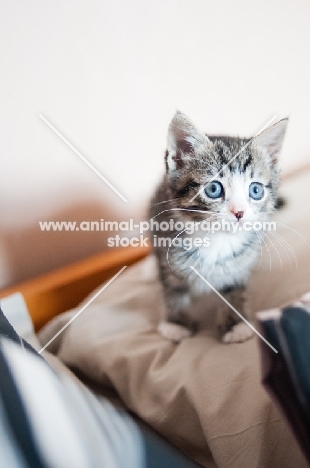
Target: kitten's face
204,173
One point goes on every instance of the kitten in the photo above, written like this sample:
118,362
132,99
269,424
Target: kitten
237,189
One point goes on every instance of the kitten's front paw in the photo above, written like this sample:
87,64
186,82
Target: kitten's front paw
173,331
239,333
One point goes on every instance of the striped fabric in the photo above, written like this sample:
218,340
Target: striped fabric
48,420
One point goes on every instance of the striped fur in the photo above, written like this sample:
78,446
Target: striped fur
192,160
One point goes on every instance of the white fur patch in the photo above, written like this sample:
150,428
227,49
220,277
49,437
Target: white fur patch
239,333
222,245
173,331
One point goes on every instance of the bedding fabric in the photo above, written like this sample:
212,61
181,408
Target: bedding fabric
48,418
204,396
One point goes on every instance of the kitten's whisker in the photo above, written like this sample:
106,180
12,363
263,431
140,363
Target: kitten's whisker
206,211
284,247
180,209
199,256
262,237
165,201
278,253
261,250
290,248
296,232
171,243
181,232
167,256
201,211
287,246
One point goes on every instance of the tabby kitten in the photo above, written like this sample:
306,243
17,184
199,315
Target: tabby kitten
237,189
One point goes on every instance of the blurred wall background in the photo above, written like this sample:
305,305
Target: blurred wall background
109,74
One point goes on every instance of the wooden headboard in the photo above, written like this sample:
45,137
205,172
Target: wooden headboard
48,295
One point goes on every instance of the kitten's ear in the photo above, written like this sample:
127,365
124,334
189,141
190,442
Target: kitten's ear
272,139
183,140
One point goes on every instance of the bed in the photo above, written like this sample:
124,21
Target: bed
204,397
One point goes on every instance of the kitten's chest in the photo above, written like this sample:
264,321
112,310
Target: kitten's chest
226,262
223,248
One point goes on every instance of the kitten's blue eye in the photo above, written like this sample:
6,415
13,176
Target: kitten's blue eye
214,189
256,191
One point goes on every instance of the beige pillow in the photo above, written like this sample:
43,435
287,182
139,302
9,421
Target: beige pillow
204,396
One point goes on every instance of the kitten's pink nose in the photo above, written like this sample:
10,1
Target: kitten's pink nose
238,214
